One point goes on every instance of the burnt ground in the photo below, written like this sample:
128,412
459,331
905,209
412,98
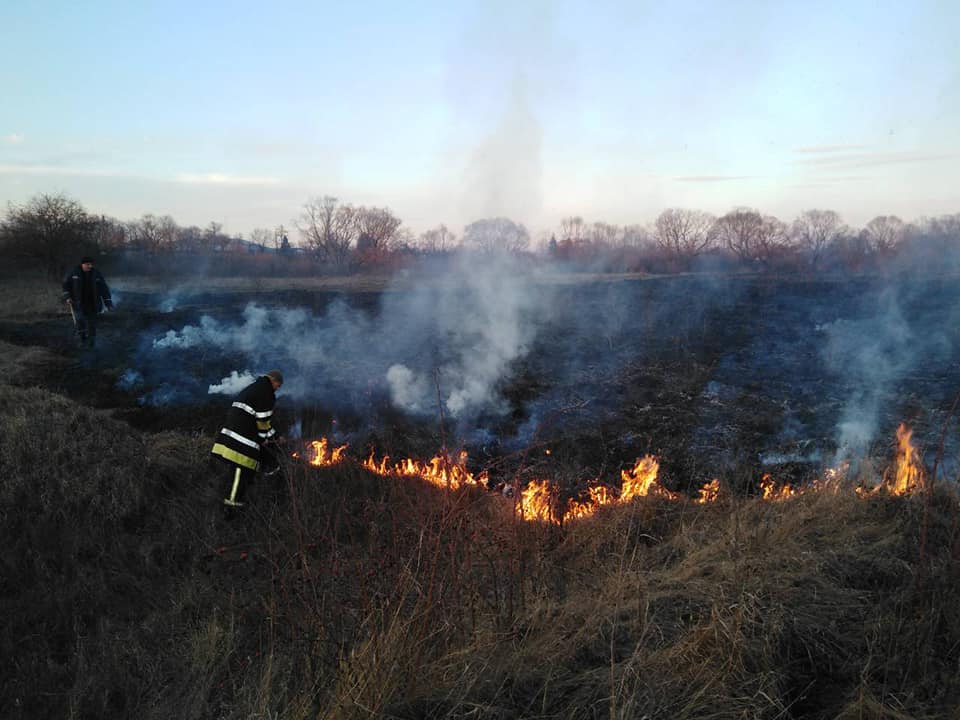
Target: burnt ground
728,377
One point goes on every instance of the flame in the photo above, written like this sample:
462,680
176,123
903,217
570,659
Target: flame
323,455
641,480
909,471
440,470
539,500
768,487
710,492
597,496
536,501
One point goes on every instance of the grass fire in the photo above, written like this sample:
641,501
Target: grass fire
662,497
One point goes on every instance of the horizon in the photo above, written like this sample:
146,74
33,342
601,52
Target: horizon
240,115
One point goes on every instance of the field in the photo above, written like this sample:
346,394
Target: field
678,497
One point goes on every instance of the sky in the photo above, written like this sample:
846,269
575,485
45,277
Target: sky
449,112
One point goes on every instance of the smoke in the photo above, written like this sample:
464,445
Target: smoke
875,357
452,341
233,384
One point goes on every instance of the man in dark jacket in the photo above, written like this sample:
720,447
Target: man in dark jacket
87,294
248,426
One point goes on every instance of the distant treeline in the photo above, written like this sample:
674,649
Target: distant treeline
53,230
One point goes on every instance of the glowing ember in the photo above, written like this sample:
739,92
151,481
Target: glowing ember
441,470
709,493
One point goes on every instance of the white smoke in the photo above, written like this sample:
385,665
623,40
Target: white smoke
873,355
408,390
457,337
232,384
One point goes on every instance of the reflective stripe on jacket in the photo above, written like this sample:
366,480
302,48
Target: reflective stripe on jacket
248,425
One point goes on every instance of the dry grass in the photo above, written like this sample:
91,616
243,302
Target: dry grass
27,296
344,594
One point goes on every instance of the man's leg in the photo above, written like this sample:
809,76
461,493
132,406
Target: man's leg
92,329
82,324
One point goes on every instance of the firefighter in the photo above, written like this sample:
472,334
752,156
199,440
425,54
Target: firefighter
87,294
247,428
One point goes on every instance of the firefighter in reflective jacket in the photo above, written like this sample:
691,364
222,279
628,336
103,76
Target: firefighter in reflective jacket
248,426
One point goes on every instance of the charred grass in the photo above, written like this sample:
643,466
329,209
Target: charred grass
340,593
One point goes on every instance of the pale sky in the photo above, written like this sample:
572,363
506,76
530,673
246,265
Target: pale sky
448,112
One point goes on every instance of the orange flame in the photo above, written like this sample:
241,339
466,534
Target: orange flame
710,492
323,455
440,470
909,471
768,487
641,480
536,501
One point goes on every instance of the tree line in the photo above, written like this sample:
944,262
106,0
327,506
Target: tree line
51,230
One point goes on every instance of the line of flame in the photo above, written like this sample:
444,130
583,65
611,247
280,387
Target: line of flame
538,499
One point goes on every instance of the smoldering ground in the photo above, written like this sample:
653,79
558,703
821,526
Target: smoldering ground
731,370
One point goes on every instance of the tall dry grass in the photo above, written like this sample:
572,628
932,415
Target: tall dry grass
343,594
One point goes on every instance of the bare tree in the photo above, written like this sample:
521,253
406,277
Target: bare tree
573,229
602,233
109,234
496,234
328,229
684,233
214,238
884,233
816,230
168,233
752,237
190,239
49,229
636,236
377,228
144,233
438,239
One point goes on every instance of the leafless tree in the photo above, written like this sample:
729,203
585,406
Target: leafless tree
496,234
168,233
883,234
438,239
190,239
377,228
684,233
816,230
636,236
573,229
602,233
49,229
145,233
214,238
329,229
109,233
752,237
